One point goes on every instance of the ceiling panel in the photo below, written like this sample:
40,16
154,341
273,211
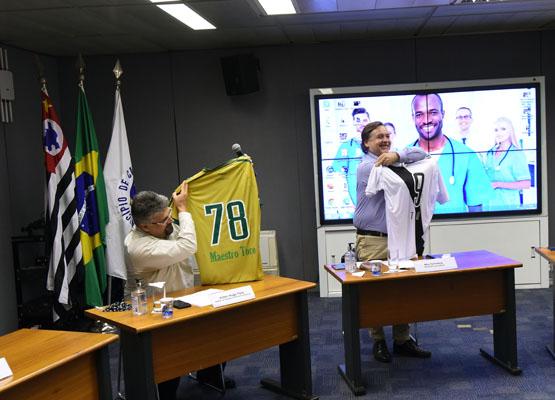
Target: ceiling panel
508,7
311,6
71,22
31,4
232,14
353,5
60,27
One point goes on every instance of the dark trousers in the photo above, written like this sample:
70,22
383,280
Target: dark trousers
211,375
168,390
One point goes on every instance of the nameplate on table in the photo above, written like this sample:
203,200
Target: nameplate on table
435,264
233,296
5,370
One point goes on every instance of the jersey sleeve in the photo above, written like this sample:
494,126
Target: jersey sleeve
374,181
412,154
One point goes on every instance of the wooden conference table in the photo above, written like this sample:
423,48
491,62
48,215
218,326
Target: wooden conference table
56,365
483,283
156,350
549,255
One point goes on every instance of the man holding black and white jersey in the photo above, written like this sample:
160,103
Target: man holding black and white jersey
370,221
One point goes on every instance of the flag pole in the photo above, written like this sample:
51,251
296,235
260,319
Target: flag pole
40,70
81,68
118,72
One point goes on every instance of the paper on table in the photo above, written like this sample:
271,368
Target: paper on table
403,264
359,274
5,370
200,299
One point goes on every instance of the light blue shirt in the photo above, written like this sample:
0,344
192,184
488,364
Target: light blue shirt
370,211
346,162
511,166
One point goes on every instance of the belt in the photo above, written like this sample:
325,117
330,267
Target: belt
370,233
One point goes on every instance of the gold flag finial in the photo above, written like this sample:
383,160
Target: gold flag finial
40,70
118,72
81,68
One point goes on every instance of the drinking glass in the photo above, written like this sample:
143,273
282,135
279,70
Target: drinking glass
393,259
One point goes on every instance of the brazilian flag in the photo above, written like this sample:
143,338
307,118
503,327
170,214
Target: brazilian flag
91,203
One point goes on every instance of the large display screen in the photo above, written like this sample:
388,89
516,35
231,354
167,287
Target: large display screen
484,138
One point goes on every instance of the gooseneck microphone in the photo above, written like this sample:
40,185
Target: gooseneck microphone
236,148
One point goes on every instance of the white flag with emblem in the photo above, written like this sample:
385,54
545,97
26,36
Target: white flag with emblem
118,176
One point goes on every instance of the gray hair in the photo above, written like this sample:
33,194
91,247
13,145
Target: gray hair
145,204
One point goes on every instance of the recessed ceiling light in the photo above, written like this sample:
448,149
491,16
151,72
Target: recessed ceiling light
278,7
184,14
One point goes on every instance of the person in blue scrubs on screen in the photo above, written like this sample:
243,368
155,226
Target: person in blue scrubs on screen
506,167
464,175
349,153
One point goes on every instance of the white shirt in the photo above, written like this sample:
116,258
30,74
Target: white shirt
404,210
162,260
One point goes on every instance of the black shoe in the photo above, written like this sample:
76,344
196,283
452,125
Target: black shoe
229,383
381,353
410,349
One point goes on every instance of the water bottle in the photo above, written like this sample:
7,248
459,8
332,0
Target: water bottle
138,299
350,259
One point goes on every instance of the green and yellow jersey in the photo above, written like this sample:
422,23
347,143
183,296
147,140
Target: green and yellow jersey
224,204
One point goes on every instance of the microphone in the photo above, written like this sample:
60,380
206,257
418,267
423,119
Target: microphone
236,148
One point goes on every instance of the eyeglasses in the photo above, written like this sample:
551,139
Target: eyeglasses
464,117
166,220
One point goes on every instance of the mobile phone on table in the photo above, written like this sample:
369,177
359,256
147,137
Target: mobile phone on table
181,304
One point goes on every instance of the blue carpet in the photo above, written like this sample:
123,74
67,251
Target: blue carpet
455,371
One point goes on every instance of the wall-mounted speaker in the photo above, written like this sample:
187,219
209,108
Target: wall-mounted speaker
240,74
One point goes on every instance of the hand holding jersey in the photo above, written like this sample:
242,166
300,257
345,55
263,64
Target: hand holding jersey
179,197
387,158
